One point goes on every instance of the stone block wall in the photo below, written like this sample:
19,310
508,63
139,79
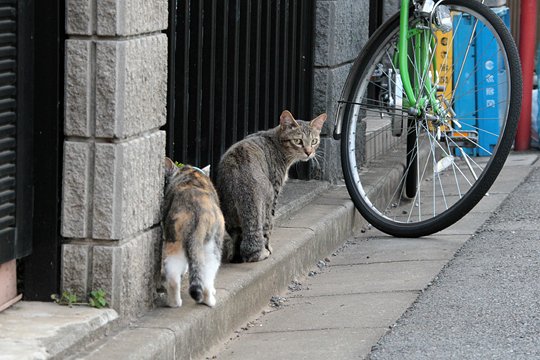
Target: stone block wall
390,8
341,30
115,103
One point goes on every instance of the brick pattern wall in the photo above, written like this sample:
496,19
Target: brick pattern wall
341,30
115,103
390,8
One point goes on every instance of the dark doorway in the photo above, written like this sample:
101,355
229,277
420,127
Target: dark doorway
235,65
41,270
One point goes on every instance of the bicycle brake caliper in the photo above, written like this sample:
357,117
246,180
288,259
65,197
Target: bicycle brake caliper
426,8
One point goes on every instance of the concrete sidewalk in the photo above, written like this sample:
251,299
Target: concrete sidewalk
352,296
300,238
486,303
312,219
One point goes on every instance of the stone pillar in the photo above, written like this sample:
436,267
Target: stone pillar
115,103
390,8
341,30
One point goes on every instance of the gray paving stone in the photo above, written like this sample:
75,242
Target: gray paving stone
377,277
37,330
374,310
467,225
340,344
387,249
149,344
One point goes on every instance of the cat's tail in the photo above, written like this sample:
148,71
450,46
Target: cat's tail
204,255
195,281
196,291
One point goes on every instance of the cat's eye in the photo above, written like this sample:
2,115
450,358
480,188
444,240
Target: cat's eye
297,141
314,141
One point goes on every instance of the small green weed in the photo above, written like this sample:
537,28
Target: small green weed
67,298
95,299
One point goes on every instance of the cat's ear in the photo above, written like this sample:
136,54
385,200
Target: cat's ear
169,166
318,122
206,170
286,120
168,163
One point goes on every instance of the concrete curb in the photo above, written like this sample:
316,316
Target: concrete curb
39,330
243,289
319,225
365,288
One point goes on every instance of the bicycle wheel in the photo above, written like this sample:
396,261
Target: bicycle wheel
453,148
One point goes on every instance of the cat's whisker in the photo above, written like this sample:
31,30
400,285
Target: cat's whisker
320,158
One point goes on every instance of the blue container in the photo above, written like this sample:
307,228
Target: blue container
482,84
464,100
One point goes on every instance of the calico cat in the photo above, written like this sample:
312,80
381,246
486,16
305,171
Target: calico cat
251,175
193,232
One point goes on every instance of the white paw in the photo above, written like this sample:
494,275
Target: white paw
174,301
210,300
264,254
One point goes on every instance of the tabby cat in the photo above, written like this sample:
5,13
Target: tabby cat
193,232
250,177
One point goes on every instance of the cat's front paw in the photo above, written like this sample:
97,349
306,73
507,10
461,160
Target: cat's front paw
174,298
174,302
269,248
265,253
258,256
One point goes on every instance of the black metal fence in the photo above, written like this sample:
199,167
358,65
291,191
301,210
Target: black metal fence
235,65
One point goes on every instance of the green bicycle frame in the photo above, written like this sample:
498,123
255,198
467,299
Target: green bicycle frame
403,50
421,49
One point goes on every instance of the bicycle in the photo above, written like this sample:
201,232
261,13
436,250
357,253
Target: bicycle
428,115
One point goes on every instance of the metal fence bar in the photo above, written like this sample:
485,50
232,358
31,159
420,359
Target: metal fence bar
238,64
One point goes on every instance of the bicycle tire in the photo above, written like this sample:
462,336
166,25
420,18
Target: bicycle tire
366,177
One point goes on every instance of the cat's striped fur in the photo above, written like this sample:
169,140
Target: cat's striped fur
250,177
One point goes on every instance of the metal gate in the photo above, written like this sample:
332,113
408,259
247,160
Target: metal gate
235,65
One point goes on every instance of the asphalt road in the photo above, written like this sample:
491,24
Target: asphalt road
485,304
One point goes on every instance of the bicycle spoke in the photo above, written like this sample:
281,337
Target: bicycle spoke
419,178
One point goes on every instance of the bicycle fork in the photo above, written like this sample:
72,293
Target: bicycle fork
403,89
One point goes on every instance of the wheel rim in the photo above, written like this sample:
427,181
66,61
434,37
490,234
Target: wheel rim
450,176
